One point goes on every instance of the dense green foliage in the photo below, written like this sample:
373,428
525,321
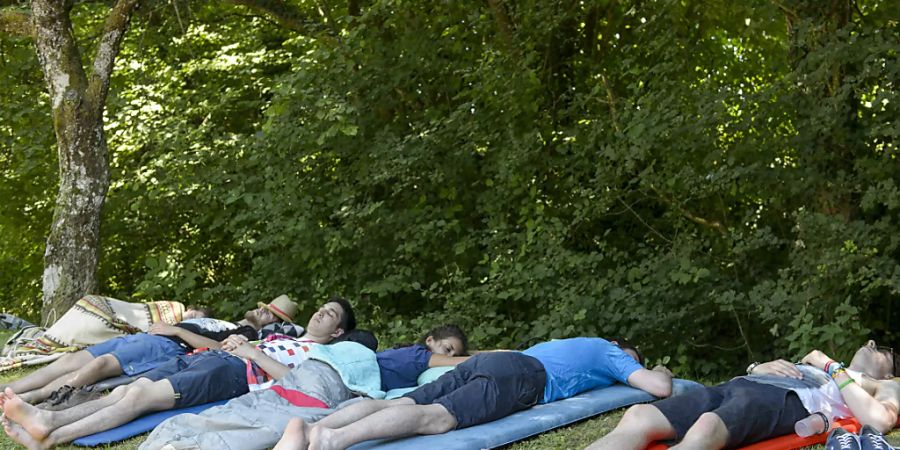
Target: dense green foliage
717,180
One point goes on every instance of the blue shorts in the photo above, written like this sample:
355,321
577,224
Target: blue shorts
751,411
138,353
486,387
206,377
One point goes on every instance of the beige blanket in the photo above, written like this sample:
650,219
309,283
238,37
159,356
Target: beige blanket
92,320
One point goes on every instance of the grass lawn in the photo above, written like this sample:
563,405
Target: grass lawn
576,436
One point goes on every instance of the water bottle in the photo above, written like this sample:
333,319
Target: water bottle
816,423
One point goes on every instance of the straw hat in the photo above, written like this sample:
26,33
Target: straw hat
282,307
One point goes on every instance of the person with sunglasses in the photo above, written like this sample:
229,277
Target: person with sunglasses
767,402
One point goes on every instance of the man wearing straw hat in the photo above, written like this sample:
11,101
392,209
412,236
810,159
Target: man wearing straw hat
180,382
134,354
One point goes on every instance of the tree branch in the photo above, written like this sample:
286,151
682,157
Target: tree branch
714,224
326,14
16,22
113,33
644,222
611,101
787,11
58,53
504,23
285,14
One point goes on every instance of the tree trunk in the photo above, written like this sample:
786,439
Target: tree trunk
813,25
77,101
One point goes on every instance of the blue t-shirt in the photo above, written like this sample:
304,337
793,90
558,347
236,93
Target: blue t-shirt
401,367
580,364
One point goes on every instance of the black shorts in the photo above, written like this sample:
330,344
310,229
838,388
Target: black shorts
202,378
751,411
486,387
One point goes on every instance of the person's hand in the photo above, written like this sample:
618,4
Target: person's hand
816,358
239,346
163,329
778,367
233,341
663,369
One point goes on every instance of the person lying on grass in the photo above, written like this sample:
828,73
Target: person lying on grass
137,353
487,387
183,381
767,403
310,391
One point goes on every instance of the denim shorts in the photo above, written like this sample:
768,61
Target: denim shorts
138,353
486,387
751,411
202,378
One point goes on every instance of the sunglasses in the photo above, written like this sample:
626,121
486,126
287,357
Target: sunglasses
888,351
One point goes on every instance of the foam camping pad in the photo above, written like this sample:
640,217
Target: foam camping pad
529,422
791,441
140,425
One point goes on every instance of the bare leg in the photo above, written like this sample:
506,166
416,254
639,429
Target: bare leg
392,422
640,426
18,434
295,436
358,410
97,369
124,405
41,377
708,432
39,422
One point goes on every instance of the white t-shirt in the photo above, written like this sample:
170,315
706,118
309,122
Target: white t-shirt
817,391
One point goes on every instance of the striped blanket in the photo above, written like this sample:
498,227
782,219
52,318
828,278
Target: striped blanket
93,319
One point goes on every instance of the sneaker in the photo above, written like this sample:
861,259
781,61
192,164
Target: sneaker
871,439
76,397
841,439
56,397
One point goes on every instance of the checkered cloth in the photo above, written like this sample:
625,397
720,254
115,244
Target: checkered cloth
286,350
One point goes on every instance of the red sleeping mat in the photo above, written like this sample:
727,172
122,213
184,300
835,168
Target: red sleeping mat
789,441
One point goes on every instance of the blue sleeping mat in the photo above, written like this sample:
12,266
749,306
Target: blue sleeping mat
140,425
530,422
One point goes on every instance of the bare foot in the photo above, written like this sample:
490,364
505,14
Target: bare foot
295,436
321,438
32,419
18,434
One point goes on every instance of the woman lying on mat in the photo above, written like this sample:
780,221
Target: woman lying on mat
767,403
256,420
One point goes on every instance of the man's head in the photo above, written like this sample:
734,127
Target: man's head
278,310
196,312
630,349
877,362
333,319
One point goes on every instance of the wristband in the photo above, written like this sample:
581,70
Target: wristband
751,367
833,368
837,372
844,384
830,362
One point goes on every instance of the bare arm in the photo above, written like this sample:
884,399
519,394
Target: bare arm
878,410
192,339
237,346
874,403
444,360
654,382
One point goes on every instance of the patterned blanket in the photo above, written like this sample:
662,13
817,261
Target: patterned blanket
92,320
